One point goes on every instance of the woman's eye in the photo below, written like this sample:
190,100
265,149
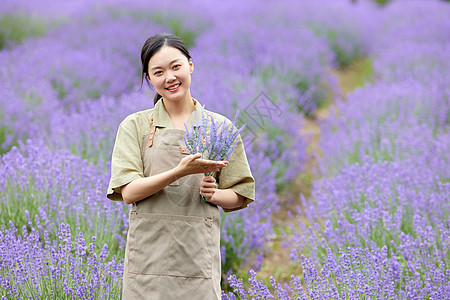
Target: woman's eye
176,66
157,73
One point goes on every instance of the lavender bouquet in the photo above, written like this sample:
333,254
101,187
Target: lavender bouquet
220,142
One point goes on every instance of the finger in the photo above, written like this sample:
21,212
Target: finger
208,196
210,163
215,167
212,170
207,182
193,158
209,179
206,193
196,156
215,162
210,187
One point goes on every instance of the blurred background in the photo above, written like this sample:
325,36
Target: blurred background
347,110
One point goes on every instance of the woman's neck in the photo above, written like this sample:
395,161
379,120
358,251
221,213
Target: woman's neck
179,109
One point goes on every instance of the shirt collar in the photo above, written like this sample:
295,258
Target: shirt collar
161,117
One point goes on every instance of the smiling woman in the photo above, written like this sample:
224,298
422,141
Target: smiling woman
164,56
173,242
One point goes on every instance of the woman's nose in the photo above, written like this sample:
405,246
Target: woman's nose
170,77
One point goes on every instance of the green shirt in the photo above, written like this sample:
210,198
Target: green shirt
126,162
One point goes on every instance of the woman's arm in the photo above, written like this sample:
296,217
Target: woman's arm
226,198
142,188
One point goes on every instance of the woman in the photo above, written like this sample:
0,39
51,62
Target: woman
173,243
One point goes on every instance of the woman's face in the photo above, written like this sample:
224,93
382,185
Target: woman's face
169,71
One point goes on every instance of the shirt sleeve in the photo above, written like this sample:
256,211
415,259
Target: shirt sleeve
126,161
237,176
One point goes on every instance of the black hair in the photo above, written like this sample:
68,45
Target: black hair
152,45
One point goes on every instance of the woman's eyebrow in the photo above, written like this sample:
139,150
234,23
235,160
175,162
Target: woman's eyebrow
157,67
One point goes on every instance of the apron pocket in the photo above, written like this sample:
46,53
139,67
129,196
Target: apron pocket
149,242
190,247
170,245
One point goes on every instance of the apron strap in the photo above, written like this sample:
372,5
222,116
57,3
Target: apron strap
152,133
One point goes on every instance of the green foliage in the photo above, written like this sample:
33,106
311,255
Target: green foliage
445,180
344,56
384,2
172,21
315,87
16,28
274,140
58,86
362,71
176,25
3,132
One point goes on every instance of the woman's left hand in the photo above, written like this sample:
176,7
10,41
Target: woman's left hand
208,187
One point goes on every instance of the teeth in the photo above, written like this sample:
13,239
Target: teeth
173,87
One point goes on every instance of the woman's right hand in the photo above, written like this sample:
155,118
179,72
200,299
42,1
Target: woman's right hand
193,164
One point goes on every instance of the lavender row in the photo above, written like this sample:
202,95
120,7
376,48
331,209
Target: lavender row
394,197
33,266
385,121
52,76
387,150
48,82
353,273
409,105
398,205
59,187
377,224
377,231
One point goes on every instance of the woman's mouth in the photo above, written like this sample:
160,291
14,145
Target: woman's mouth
174,87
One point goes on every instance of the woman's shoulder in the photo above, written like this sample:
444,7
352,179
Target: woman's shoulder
140,121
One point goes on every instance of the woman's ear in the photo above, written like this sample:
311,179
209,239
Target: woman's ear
191,66
148,77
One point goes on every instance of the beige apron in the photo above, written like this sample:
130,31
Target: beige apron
173,244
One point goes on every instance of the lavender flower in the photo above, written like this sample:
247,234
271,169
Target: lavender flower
61,268
213,140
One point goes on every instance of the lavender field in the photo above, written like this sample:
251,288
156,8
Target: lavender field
371,218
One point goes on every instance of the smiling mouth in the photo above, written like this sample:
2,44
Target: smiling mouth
173,88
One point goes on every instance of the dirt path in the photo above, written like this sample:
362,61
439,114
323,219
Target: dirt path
276,261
